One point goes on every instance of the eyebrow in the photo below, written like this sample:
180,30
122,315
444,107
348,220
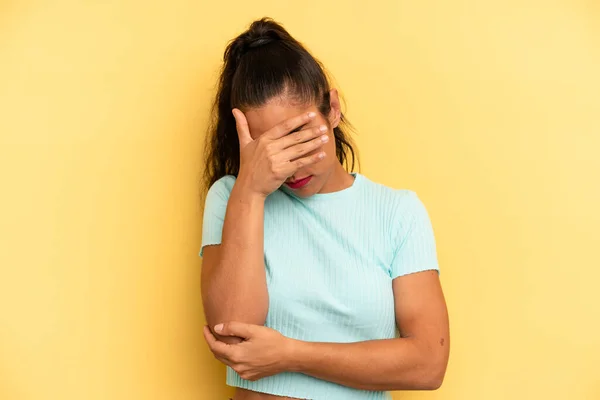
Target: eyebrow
298,128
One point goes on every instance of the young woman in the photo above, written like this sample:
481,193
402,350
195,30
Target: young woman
316,283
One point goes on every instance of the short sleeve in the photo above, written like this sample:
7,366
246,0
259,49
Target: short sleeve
415,248
215,207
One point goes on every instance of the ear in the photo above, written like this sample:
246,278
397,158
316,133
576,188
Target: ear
335,115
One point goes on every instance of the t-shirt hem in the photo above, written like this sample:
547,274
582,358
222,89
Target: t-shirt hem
410,271
209,243
238,383
271,392
235,381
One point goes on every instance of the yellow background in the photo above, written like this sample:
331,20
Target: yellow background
490,110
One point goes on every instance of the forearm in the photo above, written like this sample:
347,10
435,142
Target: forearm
235,289
394,364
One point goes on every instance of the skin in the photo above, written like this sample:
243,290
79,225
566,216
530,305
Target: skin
415,361
269,157
328,174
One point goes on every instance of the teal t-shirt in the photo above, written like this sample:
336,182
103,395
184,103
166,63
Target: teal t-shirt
330,260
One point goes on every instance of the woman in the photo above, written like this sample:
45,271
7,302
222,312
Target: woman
316,283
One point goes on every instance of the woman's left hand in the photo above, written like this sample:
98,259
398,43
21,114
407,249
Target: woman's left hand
263,352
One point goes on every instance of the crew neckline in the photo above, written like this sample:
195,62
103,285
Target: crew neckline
329,196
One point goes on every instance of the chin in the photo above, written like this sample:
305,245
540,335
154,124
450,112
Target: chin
304,192
308,190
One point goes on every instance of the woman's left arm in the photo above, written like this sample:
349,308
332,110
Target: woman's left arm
415,361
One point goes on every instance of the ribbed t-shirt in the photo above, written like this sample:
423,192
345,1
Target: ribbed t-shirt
330,260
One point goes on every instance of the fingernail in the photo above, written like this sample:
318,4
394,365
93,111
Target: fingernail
218,328
321,155
312,114
323,128
325,138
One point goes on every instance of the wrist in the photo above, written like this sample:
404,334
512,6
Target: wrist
243,188
294,355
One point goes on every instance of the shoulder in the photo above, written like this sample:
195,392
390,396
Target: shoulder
223,184
398,203
221,189
397,198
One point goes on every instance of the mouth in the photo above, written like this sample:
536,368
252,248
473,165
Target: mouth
297,184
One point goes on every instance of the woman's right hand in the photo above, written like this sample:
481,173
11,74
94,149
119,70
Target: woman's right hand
266,163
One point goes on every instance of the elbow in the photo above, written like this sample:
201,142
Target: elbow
254,313
428,374
427,377
433,382
433,376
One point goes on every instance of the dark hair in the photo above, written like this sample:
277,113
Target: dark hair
263,62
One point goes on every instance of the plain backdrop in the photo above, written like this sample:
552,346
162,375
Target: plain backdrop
488,109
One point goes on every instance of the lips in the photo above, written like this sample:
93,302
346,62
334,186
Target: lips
297,184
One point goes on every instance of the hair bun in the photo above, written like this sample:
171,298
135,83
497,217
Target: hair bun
263,32
260,33
260,41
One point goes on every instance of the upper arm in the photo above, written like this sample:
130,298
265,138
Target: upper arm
215,208
211,255
420,307
422,318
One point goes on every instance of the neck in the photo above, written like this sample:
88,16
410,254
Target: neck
339,179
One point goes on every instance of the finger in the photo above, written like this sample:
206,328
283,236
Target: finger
291,167
239,329
220,349
209,337
282,129
300,150
301,136
241,125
